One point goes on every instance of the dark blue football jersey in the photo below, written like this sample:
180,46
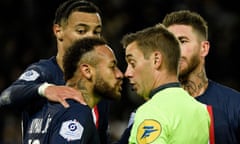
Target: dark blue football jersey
54,124
225,104
23,93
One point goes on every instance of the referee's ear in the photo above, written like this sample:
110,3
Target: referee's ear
157,59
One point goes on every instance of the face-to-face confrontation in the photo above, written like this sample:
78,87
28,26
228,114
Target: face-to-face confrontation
139,71
108,77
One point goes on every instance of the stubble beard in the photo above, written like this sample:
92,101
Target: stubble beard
103,89
184,73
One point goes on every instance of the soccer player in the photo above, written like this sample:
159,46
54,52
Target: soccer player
169,115
192,32
90,66
74,19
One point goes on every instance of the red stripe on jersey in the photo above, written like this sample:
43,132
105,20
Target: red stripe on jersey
211,129
95,109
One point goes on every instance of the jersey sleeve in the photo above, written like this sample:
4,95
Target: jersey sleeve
74,127
24,90
148,129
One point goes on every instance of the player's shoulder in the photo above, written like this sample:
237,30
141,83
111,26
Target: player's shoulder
215,86
42,68
77,110
74,121
46,63
42,65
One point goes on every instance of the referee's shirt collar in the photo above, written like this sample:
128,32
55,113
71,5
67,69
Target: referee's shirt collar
174,84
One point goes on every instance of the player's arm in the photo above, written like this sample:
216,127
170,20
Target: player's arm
35,85
24,90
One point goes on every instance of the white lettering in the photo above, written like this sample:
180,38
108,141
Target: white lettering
36,141
36,126
47,125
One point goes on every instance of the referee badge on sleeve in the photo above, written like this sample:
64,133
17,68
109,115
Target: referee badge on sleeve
148,131
71,130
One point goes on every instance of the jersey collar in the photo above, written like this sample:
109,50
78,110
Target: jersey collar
174,84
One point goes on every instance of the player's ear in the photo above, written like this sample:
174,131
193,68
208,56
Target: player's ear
205,45
86,70
57,30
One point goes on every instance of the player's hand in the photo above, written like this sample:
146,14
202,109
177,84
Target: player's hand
61,93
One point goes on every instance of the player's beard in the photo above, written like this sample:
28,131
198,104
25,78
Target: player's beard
105,90
192,64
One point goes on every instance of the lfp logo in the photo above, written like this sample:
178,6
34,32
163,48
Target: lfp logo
148,131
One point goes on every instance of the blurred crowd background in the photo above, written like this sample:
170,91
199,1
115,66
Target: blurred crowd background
26,36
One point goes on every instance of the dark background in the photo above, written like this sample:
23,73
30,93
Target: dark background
26,36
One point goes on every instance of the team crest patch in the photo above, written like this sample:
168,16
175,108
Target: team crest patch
30,75
71,130
148,131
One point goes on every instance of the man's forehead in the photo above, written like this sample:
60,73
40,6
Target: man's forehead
85,18
105,53
104,50
132,49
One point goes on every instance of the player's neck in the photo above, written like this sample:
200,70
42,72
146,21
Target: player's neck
90,97
195,83
90,100
59,61
85,90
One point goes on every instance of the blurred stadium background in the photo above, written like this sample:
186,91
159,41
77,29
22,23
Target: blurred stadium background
26,36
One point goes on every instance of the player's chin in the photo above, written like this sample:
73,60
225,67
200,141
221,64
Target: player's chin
118,94
119,90
182,67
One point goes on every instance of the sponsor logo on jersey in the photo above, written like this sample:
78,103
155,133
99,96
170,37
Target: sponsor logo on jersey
71,130
148,131
30,75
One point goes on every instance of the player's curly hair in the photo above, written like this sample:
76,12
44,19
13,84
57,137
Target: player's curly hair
76,53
